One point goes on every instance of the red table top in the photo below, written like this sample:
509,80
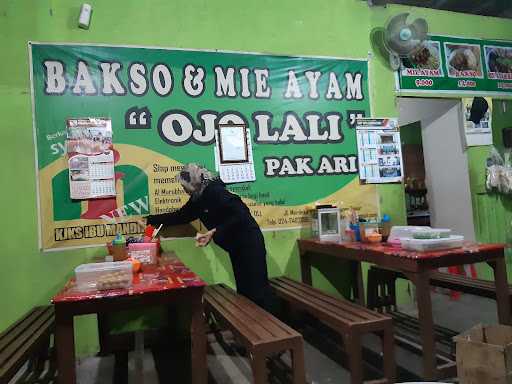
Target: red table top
398,251
171,274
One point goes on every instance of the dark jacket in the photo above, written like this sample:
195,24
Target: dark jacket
217,208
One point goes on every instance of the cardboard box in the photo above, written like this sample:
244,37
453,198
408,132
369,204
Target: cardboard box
484,355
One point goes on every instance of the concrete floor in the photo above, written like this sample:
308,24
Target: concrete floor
224,367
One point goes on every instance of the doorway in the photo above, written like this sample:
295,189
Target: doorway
437,164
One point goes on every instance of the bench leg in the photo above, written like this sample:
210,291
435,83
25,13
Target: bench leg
388,354
120,367
259,368
298,368
355,357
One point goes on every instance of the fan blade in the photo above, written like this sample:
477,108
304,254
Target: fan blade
393,28
396,23
420,29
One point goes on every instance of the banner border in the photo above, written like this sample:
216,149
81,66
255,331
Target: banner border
31,43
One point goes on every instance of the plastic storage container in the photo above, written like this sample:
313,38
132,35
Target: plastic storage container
107,275
423,245
146,253
399,232
431,233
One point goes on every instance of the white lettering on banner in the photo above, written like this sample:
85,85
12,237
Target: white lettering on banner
55,80
292,128
466,83
225,82
333,91
293,131
56,135
293,89
83,81
263,121
162,79
138,81
111,83
207,135
271,165
176,128
334,127
231,118
424,82
337,165
313,80
422,72
313,120
354,86
300,166
244,82
58,149
262,88
140,206
193,80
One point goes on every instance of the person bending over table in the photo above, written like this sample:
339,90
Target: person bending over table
230,225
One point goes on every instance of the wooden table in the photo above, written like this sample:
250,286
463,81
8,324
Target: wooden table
168,283
416,266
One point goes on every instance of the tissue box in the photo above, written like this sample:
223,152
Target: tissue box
146,253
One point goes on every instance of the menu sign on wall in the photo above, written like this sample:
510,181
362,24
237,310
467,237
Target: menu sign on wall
456,65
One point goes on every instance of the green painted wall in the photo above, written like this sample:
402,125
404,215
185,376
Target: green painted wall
492,212
329,28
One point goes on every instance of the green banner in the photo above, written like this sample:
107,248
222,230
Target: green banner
165,105
457,65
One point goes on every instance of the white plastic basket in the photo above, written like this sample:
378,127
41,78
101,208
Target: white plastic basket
423,245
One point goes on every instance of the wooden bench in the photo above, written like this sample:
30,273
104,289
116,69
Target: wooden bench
258,331
350,320
28,340
382,294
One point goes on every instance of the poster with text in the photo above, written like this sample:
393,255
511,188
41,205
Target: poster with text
477,132
379,150
165,105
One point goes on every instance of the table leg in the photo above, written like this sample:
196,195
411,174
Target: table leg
198,340
502,294
305,268
65,346
426,323
358,288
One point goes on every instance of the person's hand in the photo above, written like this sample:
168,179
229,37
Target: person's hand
203,239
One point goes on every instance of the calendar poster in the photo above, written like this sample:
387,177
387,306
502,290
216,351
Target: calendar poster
91,158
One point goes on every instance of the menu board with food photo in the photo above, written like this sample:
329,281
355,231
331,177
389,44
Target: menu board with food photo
463,60
426,61
457,66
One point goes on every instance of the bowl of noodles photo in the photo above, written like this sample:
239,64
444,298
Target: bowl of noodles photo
426,57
